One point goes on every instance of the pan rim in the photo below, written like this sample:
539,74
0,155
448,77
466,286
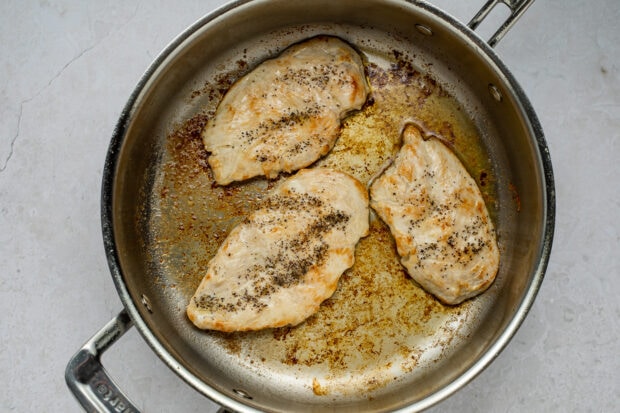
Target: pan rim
132,307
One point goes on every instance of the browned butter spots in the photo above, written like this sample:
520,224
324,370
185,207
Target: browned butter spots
371,314
317,388
378,322
401,95
191,214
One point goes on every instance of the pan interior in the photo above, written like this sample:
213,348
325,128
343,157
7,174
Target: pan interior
380,342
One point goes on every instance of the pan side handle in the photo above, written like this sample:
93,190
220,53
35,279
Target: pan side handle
87,378
517,8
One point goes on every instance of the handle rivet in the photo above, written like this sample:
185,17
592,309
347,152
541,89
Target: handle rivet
425,30
495,93
242,393
146,303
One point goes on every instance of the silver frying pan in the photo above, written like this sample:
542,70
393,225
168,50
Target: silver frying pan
380,343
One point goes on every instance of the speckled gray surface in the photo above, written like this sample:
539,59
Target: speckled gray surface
66,70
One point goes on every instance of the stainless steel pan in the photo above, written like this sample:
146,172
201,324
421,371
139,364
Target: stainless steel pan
380,343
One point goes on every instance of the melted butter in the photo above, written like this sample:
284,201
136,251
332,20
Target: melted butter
400,95
379,324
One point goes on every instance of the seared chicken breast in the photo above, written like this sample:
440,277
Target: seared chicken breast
438,218
285,114
278,265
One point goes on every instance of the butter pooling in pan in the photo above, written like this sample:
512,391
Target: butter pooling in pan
269,159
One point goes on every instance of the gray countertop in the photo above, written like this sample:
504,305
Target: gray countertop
67,69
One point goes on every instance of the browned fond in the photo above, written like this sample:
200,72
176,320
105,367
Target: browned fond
379,322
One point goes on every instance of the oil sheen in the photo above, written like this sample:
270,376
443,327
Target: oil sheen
379,324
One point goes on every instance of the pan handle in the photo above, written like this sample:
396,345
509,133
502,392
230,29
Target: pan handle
517,8
88,380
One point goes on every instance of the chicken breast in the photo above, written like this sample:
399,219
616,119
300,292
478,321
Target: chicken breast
277,266
286,113
438,218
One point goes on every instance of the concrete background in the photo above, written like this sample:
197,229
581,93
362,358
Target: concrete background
68,67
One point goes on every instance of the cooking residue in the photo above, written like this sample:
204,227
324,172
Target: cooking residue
379,323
